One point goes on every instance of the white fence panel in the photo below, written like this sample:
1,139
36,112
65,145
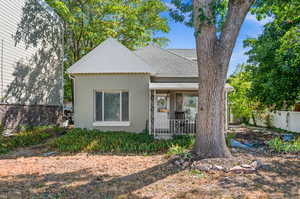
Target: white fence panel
287,120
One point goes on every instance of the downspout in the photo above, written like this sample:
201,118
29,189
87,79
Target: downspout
2,82
72,90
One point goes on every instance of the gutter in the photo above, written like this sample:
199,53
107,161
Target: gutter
72,90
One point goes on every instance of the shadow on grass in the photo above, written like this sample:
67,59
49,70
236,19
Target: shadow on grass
82,184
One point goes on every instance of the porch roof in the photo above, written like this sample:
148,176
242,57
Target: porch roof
179,86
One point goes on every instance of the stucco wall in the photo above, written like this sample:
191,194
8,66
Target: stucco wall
287,120
138,87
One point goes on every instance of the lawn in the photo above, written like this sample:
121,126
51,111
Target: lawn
138,175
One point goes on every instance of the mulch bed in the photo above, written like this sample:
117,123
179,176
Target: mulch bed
32,175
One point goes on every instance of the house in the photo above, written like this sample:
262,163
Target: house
31,68
116,89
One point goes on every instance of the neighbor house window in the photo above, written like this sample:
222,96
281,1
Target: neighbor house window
112,106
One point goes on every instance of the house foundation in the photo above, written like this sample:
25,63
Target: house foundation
14,116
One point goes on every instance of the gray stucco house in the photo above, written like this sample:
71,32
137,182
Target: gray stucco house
31,68
116,89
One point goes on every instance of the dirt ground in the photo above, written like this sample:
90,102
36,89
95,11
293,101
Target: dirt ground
30,174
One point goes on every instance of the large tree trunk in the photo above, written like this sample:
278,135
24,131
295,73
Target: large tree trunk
210,140
213,59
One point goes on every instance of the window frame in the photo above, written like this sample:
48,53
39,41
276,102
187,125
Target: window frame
111,123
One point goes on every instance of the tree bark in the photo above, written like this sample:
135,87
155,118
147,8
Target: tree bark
213,59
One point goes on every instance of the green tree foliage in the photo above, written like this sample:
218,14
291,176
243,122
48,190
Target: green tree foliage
275,56
89,22
241,105
183,12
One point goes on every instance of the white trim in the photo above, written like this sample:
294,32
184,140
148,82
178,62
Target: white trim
102,104
155,107
115,123
149,113
179,86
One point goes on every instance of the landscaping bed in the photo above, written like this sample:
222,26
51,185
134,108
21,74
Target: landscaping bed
115,176
52,170
29,137
82,140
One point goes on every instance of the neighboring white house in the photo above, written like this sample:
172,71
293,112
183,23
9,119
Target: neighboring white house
31,68
116,89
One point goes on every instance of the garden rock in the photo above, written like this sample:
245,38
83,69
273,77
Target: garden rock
256,164
201,167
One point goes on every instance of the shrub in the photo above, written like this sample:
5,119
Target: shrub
279,145
27,138
81,140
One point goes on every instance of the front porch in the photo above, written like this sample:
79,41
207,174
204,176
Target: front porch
173,109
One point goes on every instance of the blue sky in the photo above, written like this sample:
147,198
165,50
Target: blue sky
181,36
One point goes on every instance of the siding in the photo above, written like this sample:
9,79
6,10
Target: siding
136,85
30,73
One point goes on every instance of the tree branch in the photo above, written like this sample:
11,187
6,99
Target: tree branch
237,11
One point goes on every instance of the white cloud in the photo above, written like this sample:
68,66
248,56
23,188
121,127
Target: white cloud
252,18
170,5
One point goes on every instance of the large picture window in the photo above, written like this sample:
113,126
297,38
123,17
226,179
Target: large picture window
112,106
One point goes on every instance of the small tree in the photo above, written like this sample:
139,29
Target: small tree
242,106
89,22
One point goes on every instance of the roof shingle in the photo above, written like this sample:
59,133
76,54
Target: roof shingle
166,63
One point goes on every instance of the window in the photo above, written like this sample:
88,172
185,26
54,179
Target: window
162,103
190,105
112,106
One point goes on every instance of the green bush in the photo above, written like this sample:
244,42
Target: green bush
176,150
279,145
27,138
81,140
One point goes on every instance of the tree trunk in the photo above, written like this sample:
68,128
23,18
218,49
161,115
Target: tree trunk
253,118
210,138
213,55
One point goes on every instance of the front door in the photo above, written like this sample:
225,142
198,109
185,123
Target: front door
162,110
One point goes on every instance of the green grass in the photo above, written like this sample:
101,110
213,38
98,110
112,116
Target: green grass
279,145
82,140
197,174
229,137
26,138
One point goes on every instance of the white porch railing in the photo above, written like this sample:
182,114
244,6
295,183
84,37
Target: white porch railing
174,126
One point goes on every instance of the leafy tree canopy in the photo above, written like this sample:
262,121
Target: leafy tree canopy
89,22
241,105
275,56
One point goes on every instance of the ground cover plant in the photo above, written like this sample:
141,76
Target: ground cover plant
82,140
279,145
28,137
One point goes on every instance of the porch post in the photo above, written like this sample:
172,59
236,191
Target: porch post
155,108
150,114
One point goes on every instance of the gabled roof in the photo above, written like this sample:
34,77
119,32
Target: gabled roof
166,63
110,57
188,53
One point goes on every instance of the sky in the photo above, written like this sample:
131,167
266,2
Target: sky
181,36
